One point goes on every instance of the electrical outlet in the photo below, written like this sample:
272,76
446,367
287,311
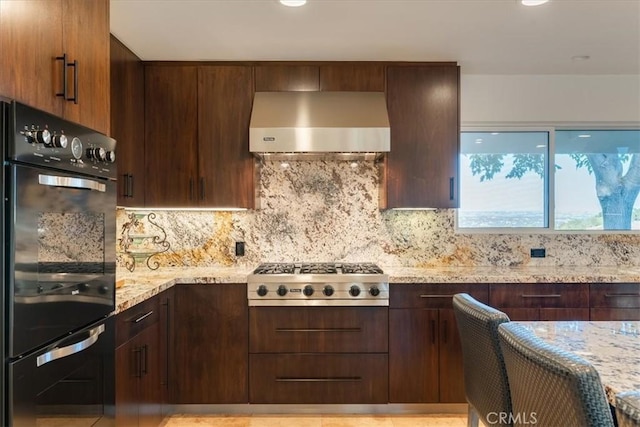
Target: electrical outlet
239,248
538,252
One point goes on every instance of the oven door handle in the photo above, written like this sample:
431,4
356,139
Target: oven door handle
66,181
60,352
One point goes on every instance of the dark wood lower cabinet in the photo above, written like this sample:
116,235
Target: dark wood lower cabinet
614,301
210,349
319,378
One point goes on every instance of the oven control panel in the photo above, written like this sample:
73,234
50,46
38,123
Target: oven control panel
42,139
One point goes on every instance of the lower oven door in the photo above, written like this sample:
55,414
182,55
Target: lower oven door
62,254
69,383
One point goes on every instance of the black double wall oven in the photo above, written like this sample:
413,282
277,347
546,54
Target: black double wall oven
58,258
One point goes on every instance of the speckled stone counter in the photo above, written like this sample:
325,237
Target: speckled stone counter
513,274
613,348
140,286
144,284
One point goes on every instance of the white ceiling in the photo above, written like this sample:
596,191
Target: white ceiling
483,36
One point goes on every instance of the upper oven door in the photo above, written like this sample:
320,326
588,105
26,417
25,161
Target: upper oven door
62,262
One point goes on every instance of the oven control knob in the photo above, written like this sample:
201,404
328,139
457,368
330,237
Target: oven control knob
103,289
96,153
59,141
354,291
374,291
328,290
262,290
83,287
111,156
42,136
308,290
282,291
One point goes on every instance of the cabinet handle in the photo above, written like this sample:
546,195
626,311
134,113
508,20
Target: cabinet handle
630,294
144,359
125,185
436,296
317,380
318,329
542,296
433,332
201,188
130,189
63,58
74,64
141,318
451,188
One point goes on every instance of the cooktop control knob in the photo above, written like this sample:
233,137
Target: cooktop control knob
111,156
262,290
96,153
282,290
59,141
308,290
103,289
354,291
374,291
328,290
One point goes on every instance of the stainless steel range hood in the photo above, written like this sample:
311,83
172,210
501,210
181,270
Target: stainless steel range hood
319,125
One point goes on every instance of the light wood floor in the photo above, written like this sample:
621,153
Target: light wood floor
317,421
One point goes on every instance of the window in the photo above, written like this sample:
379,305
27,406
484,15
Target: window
506,181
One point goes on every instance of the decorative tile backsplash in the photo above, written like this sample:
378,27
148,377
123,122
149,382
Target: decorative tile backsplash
328,211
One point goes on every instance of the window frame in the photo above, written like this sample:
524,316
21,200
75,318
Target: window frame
550,172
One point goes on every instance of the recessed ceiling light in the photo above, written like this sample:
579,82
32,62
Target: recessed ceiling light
540,145
495,133
293,3
585,135
533,2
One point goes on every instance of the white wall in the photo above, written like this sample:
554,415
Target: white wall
550,99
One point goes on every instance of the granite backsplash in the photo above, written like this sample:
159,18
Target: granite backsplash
328,211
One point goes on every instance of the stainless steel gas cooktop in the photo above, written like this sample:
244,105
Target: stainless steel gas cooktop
342,284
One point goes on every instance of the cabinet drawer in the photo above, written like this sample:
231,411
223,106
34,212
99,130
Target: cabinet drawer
614,295
318,378
539,295
614,314
433,295
132,321
318,329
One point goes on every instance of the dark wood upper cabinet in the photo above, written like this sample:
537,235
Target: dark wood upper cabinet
359,77
226,167
33,34
171,135
127,122
421,171
279,78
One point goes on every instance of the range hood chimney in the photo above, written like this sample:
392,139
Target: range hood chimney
319,125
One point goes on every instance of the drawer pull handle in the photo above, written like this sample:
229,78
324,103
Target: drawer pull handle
630,294
318,329
542,296
144,316
436,296
317,380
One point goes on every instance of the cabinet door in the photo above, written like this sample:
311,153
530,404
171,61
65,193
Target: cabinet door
171,132
278,78
614,301
127,122
30,41
421,171
225,165
85,31
361,77
450,366
211,344
127,383
413,356
149,411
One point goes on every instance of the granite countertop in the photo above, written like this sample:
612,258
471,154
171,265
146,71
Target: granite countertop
143,284
613,348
